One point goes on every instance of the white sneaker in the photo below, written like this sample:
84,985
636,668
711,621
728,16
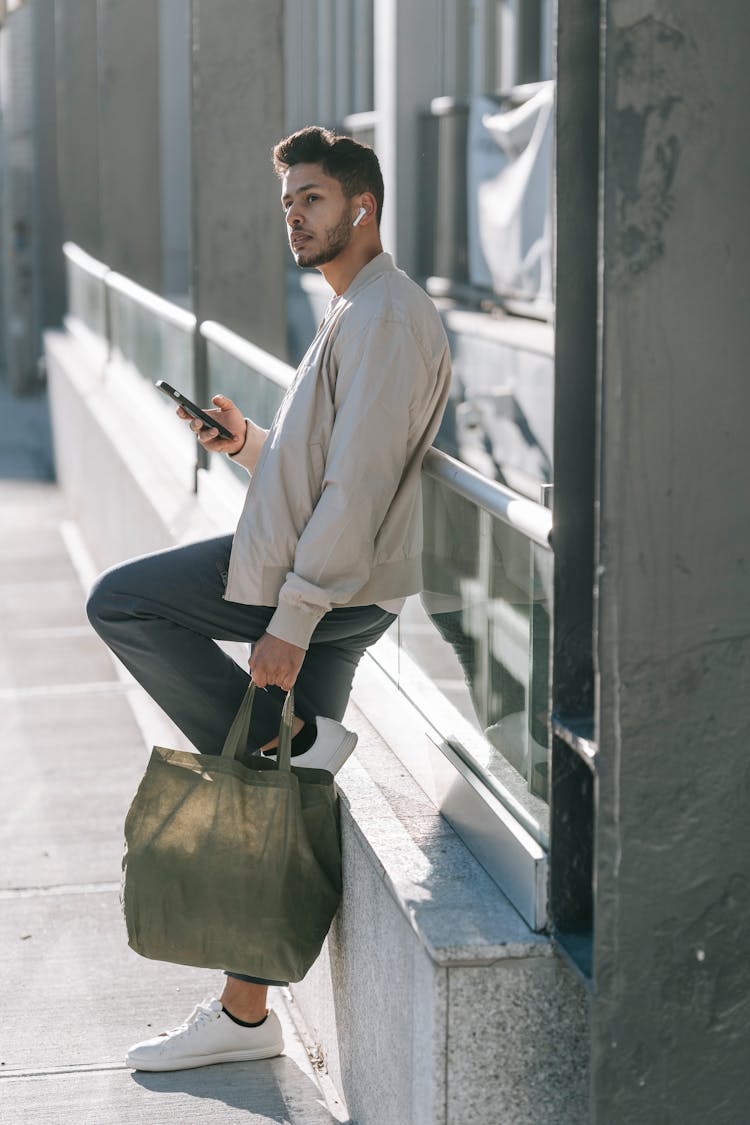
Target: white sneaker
331,748
208,1036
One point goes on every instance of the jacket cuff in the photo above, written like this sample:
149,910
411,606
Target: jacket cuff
294,623
241,456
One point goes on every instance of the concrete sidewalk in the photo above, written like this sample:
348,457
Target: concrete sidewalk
74,996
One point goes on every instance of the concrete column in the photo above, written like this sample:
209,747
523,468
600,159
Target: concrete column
49,274
300,65
17,217
404,87
239,247
174,86
78,123
577,162
128,37
672,907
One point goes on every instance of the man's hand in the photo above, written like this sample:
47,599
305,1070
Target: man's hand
230,416
274,661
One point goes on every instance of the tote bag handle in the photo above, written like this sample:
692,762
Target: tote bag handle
236,740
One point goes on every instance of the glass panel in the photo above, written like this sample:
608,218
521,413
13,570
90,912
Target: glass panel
480,634
86,298
386,650
156,348
257,396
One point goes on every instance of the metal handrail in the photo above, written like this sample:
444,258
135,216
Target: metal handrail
84,261
165,310
532,520
250,354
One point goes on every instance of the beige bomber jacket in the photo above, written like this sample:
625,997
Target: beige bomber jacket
333,512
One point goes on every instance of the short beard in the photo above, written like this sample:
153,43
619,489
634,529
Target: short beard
337,239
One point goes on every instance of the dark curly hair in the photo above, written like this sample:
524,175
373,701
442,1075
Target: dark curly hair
353,164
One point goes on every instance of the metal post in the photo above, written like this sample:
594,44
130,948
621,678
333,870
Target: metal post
200,374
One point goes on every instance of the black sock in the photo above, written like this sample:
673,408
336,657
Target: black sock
242,1023
301,741
304,739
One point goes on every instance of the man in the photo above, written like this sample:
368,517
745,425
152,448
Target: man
328,544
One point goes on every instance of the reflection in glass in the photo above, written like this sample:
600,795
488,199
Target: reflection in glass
480,632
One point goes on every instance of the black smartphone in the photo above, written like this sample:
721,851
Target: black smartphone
193,410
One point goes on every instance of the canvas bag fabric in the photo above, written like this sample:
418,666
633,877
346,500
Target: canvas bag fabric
233,864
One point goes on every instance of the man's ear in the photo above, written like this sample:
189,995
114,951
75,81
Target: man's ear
367,209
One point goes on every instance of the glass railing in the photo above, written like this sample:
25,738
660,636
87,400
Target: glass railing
244,372
480,631
135,326
251,377
154,336
87,296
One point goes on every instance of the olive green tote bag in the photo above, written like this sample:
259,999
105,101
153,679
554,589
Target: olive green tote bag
230,864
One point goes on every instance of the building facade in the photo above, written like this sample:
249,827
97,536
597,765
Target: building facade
550,857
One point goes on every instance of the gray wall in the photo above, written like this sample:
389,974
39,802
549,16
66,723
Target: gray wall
672,918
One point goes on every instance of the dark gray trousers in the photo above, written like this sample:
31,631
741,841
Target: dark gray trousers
162,614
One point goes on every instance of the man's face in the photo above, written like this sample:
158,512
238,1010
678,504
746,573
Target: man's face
317,213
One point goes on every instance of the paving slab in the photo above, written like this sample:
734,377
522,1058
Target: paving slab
275,1090
36,536
16,495
54,604
46,658
32,552
70,765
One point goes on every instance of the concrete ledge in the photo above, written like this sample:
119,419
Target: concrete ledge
432,1003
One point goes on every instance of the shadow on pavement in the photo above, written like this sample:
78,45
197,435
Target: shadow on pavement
259,1087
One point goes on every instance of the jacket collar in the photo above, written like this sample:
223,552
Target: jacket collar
381,264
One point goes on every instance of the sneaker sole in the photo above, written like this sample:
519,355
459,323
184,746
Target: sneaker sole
343,751
193,1061
346,748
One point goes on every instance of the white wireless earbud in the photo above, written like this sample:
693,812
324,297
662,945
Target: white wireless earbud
360,216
